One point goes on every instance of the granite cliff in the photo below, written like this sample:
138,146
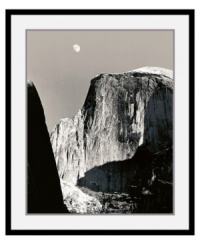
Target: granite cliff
123,134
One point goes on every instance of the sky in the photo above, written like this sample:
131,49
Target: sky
62,76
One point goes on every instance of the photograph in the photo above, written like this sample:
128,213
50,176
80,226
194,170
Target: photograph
100,121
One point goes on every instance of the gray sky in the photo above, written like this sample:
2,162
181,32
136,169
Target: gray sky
62,76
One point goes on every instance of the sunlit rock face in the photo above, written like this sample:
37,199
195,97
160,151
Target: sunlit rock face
121,112
78,202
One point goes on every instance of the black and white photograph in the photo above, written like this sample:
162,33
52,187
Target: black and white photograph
100,121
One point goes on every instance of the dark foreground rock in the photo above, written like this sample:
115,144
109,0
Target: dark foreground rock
44,191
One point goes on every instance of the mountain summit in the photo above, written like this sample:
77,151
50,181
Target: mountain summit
123,113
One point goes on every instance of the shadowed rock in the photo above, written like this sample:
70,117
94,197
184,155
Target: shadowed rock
44,191
147,178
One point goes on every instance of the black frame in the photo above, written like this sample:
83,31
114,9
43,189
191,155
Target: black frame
191,15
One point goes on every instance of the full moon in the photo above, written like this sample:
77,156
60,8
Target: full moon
76,47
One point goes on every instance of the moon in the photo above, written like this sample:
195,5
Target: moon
76,48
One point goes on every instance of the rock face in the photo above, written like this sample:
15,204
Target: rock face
44,190
123,114
79,202
67,141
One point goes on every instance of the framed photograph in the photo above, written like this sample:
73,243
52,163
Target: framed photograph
100,122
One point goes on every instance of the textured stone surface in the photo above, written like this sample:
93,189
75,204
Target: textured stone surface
121,113
79,202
